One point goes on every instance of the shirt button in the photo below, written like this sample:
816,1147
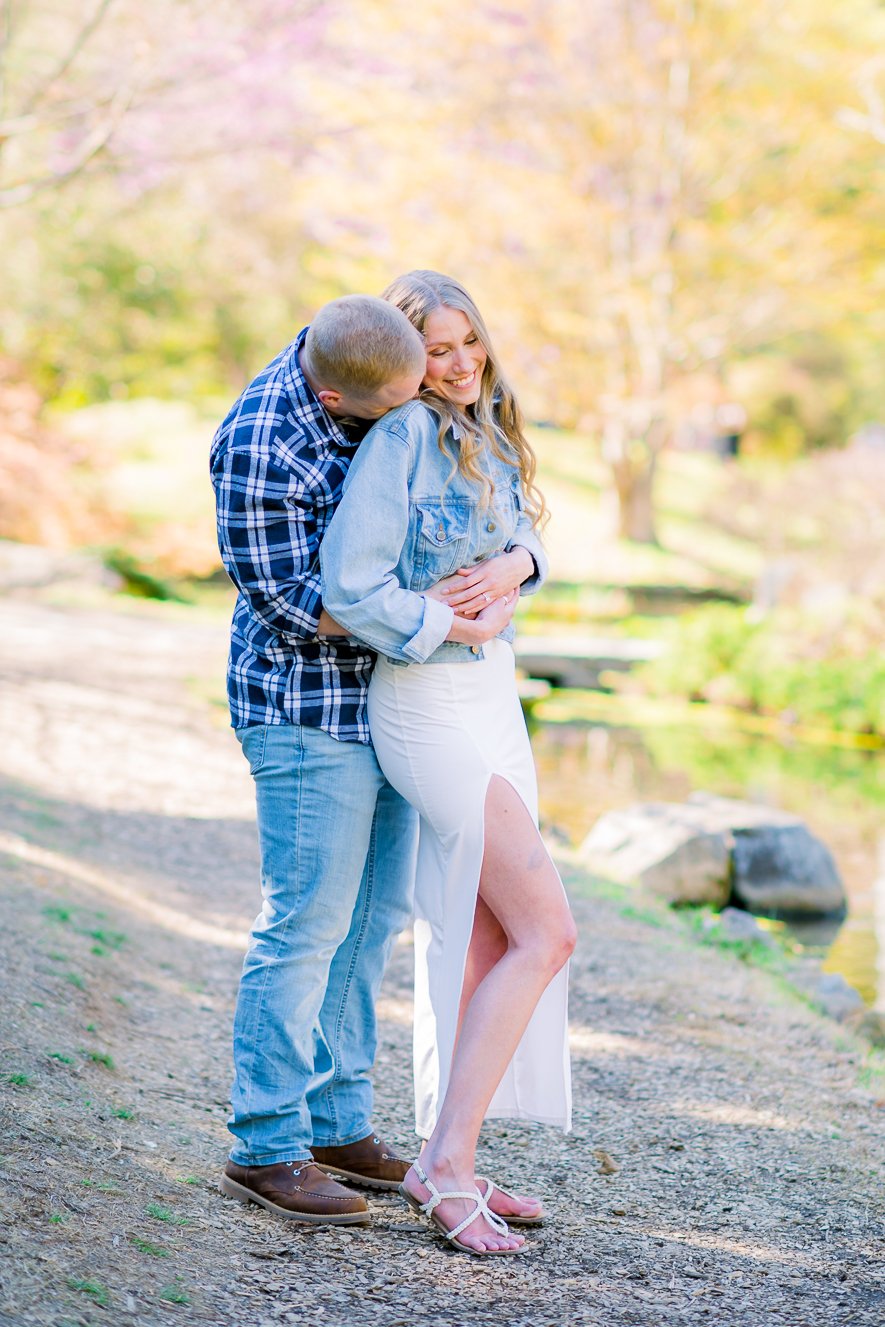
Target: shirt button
491,526
474,649
441,534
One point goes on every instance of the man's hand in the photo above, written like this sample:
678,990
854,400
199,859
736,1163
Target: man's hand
472,589
327,626
487,624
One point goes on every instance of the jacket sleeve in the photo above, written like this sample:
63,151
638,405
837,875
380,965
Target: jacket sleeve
267,536
362,548
525,536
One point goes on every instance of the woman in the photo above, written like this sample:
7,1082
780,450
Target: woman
423,561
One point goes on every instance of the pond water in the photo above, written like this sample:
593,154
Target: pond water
587,767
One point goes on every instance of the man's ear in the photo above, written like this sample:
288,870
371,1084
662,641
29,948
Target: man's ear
330,399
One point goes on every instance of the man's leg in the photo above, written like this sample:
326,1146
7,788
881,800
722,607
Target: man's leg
316,807
340,1097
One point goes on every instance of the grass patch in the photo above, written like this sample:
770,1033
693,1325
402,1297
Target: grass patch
704,925
649,916
56,913
187,1179
122,1113
161,1213
110,939
62,1059
19,1080
57,1219
94,1289
145,1246
74,979
871,1074
100,1057
175,1294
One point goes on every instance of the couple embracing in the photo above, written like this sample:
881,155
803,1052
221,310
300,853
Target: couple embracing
378,515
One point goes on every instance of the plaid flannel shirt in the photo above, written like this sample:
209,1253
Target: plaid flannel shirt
278,463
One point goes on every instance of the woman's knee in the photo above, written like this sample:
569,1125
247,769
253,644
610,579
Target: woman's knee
552,943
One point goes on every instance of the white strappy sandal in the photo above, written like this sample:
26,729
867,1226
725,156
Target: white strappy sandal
537,1220
428,1209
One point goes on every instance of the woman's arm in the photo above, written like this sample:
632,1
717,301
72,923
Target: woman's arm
361,550
526,538
523,568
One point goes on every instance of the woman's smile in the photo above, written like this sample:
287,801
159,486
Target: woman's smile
456,357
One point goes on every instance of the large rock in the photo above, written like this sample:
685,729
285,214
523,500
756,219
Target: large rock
778,866
665,849
712,850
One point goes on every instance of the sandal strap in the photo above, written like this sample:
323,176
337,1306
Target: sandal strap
481,1207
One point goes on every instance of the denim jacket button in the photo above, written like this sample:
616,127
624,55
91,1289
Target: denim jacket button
491,526
474,649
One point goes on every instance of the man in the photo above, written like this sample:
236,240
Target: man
337,843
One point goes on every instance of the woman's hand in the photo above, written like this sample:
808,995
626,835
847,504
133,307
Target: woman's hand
487,624
472,589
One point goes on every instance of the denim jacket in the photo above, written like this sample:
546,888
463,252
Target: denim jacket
403,523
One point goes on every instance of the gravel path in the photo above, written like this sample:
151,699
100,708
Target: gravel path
727,1158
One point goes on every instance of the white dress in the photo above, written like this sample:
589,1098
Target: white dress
440,732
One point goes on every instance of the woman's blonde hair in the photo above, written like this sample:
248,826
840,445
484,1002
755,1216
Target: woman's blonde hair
496,420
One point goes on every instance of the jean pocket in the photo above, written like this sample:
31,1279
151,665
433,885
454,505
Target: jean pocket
253,740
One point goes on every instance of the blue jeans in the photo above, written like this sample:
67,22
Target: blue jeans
337,865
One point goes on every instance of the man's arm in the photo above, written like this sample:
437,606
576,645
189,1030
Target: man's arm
268,539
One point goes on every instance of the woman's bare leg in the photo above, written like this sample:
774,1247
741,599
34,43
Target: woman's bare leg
488,945
521,888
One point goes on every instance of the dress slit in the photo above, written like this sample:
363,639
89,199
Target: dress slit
442,732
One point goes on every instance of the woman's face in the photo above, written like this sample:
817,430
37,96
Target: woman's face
455,357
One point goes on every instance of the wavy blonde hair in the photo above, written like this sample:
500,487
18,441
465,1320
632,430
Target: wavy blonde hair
495,421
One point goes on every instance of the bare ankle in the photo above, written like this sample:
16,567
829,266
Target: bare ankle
446,1161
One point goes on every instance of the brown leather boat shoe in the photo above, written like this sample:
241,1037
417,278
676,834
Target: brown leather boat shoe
297,1190
368,1162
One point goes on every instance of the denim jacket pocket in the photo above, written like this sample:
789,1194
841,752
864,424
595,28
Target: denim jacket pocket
443,535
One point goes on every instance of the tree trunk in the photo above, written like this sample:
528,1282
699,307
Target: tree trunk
636,519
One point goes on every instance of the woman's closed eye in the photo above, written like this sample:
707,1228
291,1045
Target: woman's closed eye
439,351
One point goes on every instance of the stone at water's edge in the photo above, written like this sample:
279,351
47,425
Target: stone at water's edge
667,853
712,850
778,866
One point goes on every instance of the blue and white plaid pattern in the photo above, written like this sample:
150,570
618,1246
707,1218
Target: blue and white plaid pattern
278,463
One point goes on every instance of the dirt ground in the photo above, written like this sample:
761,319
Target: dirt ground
727,1158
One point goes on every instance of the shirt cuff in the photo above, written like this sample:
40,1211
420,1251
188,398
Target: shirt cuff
438,619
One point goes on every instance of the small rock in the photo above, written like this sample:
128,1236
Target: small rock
607,1163
836,997
737,925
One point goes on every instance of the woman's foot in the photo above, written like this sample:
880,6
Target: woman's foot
426,1178
513,1207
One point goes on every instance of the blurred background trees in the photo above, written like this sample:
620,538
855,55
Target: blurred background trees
666,207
